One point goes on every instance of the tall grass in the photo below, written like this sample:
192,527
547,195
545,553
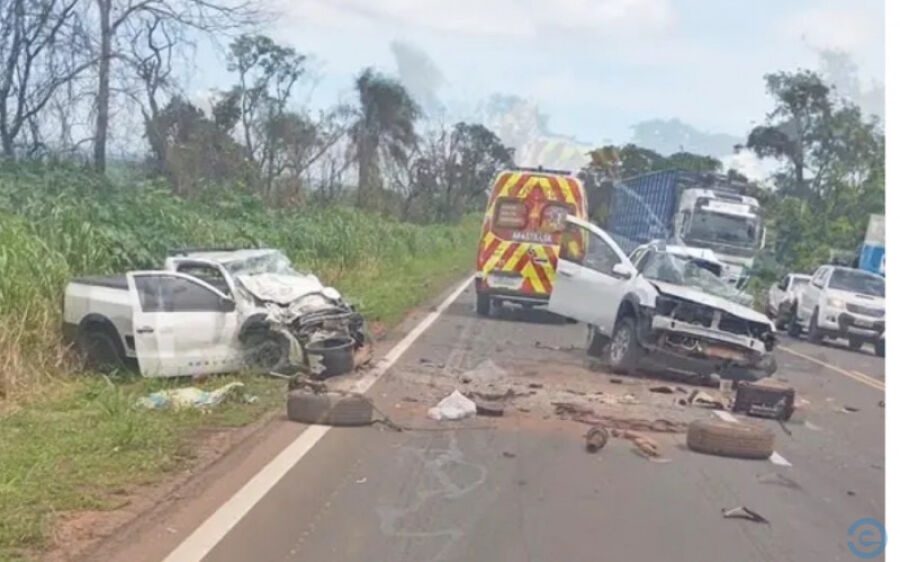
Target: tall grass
59,222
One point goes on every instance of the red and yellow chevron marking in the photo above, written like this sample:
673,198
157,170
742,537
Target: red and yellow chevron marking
535,262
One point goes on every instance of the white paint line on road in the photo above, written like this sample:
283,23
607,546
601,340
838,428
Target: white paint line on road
219,524
775,458
855,375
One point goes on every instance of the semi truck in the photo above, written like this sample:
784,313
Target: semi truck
694,209
871,255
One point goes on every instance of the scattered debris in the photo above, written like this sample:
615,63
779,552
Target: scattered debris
568,408
662,389
490,409
851,409
615,432
497,397
362,480
778,479
540,345
881,403
765,399
743,512
465,379
192,397
410,399
509,455
704,400
812,426
615,380
524,410
575,392
596,438
784,428
851,493
646,445
453,407
535,385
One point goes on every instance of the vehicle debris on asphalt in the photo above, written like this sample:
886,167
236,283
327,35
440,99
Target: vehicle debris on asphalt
743,512
778,479
489,409
704,400
192,397
596,438
453,407
764,399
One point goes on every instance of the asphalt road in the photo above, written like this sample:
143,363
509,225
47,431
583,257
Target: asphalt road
522,487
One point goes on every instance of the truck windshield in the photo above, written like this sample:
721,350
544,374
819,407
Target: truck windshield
727,229
680,270
273,262
857,282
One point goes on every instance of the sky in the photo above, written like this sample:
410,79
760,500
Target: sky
594,67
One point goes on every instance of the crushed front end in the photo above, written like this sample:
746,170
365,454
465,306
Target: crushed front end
692,338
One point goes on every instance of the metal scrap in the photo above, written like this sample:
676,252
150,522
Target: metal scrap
704,400
743,512
596,438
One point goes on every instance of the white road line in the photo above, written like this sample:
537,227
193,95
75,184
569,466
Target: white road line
219,524
775,458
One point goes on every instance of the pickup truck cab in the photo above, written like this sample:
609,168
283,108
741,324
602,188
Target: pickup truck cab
842,302
782,298
663,311
206,312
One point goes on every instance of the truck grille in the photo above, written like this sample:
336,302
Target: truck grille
865,310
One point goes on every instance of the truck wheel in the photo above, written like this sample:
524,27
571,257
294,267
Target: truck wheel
879,348
100,351
728,439
266,351
623,350
482,304
329,408
815,335
793,324
855,344
596,342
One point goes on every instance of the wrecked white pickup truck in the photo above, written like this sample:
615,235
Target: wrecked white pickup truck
663,312
208,311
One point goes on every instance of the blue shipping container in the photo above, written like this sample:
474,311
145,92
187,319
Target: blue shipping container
643,208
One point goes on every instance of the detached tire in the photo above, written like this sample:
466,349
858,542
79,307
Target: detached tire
329,408
727,439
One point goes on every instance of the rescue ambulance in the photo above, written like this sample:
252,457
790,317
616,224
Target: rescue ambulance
520,237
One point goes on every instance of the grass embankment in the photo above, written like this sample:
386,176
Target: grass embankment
72,441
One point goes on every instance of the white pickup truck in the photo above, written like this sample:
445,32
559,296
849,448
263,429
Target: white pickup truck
663,310
205,312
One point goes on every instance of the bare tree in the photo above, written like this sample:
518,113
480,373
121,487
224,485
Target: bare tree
37,40
114,16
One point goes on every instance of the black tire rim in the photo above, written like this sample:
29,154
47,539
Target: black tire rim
266,354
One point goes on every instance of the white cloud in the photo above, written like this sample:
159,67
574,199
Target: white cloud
509,18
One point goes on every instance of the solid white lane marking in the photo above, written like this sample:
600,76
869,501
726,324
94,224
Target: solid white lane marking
855,375
775,458
205,537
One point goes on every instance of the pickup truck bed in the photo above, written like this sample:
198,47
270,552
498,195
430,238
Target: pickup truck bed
111,281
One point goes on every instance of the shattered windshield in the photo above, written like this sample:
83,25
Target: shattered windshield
272,262
727,229
690,272
857,282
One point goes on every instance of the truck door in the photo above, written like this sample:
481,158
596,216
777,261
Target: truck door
182,326
589,280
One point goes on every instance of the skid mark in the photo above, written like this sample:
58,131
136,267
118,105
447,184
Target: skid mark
435,487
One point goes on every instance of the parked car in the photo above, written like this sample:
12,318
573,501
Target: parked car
519,243
664,312
842,302
206,312
782,298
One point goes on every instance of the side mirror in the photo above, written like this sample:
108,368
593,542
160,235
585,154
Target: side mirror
226,304
621,271
818,283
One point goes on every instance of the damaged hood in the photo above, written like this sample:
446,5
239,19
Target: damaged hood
691,294
285,289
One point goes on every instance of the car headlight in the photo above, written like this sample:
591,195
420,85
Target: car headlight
835,303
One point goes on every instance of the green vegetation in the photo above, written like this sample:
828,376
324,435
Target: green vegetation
70,439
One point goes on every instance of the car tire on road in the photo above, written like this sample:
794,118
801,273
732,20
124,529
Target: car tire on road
729,439
815,335
100,351
329,408
623,351
879,348
856,344
596,342
793,324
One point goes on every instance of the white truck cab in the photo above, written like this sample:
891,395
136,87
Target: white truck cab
841,302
